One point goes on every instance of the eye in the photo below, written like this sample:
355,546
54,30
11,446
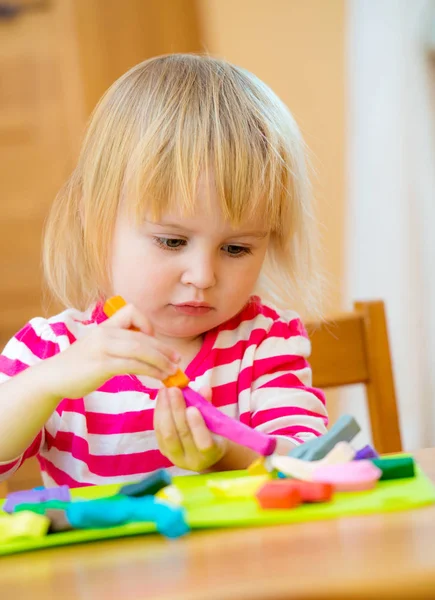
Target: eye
169,243
236,251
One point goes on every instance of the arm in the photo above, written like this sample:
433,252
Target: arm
37,375
26,404
25,400
283,402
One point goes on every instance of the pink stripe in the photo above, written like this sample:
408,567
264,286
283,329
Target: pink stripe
9,466
294,430
107,465
32,450
291,381
11,367
39,347
288,362
288,380
287,330
61,329
226,394
248,313
71,405
128,422
59,476
126,383
246,418
34,447
264,416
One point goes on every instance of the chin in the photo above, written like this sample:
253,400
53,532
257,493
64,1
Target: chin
189,329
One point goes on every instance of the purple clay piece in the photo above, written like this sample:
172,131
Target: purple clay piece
36,497
366,453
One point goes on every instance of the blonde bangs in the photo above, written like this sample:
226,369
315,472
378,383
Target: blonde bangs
160,127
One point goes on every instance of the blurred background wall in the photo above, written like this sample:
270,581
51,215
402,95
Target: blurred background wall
345,68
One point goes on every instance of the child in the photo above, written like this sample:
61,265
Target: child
190,193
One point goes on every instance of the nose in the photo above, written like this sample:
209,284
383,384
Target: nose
200,271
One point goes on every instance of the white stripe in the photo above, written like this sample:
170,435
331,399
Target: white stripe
267,398
284,422
221,375
277,346
304,376
111,444
228,338
117,403
16,349
117,444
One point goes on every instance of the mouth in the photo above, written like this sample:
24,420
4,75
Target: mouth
194,304
193,308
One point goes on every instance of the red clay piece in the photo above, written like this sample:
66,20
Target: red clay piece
278,494
314,492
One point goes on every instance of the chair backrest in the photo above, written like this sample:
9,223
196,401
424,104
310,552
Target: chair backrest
354,348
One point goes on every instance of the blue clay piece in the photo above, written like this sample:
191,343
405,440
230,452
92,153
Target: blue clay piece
94,514
149,486
343,430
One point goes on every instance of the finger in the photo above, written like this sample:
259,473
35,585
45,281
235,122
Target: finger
202,436
178,408
129,317
164,427
136,345
124,366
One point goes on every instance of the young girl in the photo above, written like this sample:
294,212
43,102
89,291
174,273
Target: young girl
190,194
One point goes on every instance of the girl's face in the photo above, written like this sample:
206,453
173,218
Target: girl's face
187,274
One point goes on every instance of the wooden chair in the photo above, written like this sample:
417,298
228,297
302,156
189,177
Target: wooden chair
354,348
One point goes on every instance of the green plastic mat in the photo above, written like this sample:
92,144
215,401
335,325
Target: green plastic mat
204,510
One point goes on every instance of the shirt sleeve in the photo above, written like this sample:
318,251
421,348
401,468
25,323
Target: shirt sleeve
283,401
35,342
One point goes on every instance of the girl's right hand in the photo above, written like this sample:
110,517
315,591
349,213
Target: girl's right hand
112,348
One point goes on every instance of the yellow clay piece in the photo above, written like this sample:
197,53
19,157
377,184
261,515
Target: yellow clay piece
24,524
258,467
241,487
180,380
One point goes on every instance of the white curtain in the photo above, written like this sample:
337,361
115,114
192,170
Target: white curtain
391,194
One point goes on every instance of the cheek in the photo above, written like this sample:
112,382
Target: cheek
244,275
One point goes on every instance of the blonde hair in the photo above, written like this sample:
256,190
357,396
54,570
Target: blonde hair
152,134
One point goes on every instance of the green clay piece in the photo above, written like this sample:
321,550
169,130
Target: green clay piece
41,507
395,468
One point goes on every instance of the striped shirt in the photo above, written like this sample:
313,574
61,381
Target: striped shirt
255,363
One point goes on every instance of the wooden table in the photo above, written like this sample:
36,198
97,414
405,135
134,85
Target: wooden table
382,556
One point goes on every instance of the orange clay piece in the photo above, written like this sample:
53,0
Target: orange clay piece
180,380
111,306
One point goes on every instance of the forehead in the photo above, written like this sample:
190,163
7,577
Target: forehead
208,217
206,212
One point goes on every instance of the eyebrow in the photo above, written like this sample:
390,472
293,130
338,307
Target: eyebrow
252,234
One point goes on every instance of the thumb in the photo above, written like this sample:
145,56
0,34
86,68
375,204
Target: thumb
129,317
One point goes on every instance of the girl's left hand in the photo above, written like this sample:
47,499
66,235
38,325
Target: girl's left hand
181,433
